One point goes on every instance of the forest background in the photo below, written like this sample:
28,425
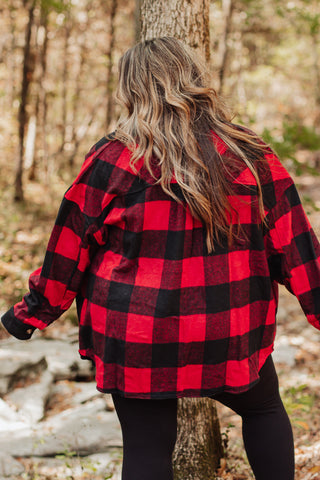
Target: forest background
58,72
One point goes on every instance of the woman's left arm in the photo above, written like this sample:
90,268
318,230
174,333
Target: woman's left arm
74,237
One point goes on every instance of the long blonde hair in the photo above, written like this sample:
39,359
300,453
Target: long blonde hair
171,110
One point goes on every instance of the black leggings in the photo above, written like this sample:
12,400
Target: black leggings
149,431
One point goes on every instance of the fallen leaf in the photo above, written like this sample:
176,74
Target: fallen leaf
315,469
223,465
302,424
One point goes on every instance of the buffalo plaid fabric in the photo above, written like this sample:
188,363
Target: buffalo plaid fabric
158,315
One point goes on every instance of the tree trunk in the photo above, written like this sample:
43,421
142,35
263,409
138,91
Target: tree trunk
11,64
83,55
316,63
228,7
65,76
199,445
29,151
137,20
27,73
40,156
187,20
109,54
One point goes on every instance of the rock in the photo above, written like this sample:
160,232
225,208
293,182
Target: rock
86,392
9,466
11,421
70,393
86,429
18,365
284,352
30,401
77,392
62,357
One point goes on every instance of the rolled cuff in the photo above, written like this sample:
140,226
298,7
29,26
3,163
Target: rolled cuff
15,327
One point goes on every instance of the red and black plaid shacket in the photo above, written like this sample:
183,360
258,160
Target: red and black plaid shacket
160,317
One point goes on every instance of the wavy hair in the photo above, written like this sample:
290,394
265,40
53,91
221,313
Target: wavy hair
171,113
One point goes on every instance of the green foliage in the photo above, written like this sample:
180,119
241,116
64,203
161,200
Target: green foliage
298,401
301,15
66,455
303,136
89,465
294,137
58,6
225,438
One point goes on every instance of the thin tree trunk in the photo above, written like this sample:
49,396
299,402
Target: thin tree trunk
240,84
41,97
137,20
228,7
109,54
187,20
27,72
64,93
316,63
43,94
199,446
11,57
75,141
30,142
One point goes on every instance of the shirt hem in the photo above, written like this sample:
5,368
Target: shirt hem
187,393
211,393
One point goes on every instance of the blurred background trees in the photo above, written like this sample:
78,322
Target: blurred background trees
58,72
57,78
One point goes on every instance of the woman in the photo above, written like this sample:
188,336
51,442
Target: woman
173,238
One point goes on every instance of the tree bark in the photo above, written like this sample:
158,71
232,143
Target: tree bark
199,445
11,56
40,156
187,20
109,55
137,20
27,73
76,96
65,77
228,7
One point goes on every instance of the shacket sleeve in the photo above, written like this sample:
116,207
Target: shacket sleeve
292,246
76,234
